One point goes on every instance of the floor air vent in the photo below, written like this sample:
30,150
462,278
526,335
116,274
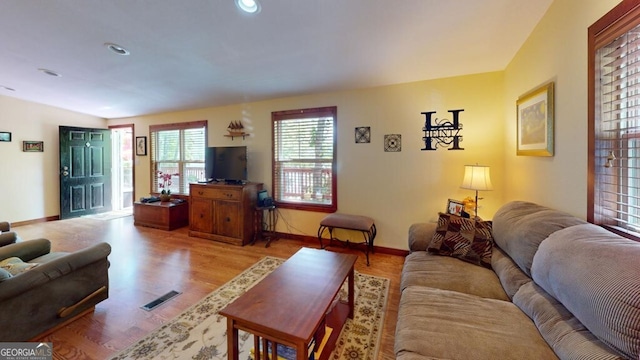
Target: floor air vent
161,300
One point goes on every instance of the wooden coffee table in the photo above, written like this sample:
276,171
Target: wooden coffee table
290,305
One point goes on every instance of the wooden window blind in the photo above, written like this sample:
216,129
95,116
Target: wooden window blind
177,155
304,159
614,116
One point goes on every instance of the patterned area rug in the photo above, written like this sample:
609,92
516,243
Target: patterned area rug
200,332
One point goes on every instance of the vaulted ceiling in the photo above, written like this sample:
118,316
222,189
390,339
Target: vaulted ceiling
187,54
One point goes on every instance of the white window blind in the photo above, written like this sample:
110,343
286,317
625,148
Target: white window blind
304,156
177,155
617,133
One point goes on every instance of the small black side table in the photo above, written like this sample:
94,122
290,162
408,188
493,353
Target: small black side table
265,229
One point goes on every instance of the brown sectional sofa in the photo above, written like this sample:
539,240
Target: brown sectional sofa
558,288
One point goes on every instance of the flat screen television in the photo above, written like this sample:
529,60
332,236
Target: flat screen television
226,163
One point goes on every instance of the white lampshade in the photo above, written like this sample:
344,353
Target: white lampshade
476,177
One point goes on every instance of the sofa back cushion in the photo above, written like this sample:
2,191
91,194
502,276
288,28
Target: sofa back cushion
595,274
519,227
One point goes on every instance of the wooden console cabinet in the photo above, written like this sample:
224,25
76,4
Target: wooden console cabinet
223,212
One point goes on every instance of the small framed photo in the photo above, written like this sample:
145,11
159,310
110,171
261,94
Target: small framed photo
5,136
455,207
33,146
141,145
535,114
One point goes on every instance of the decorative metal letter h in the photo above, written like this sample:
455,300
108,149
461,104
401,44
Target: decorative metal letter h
443,132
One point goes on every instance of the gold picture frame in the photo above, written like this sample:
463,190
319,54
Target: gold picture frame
455,207
535,119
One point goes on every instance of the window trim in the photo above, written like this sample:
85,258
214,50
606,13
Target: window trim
622,18
166,127
296,114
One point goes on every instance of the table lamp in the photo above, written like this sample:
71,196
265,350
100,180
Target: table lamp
476,177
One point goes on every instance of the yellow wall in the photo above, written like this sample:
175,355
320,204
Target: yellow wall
30,180
555,51
395,189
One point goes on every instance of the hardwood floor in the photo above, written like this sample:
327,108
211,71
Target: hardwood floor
147,263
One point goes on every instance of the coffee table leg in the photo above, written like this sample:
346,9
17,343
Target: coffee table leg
232,340
351,292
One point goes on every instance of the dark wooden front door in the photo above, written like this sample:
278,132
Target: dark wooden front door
85,171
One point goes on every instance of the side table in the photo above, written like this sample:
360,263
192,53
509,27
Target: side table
267,227
163,215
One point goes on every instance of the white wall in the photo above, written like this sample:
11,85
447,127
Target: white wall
395,189
555,51
30,180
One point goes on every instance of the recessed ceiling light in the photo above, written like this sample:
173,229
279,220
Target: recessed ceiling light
117,49
50,72
248,6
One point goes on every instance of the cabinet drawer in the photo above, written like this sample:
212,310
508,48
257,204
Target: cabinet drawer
221,194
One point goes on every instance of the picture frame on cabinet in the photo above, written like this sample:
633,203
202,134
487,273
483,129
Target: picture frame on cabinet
535,122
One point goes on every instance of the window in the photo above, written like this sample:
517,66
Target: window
304,159
177,155
614,120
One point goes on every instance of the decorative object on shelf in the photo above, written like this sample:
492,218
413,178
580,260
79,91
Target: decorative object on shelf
610,159
442,132
535,113
5,136
455,207
236,128
393,143
141,145
363,135
478,178
33,146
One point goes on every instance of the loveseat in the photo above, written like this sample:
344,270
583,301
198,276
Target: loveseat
555,287
40,289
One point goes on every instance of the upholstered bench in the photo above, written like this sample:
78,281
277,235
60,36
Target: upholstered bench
363,224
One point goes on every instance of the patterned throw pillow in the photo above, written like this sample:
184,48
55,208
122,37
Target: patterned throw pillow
16,266
463,238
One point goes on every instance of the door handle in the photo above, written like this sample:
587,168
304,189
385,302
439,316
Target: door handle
64,171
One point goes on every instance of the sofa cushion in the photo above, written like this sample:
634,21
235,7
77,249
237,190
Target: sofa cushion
463,238
566,335
447,273
441,324
594,273
519,227
510,275
15,266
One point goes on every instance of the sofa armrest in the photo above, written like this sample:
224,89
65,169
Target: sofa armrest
7,238
420,235
26,250
53,269
5,226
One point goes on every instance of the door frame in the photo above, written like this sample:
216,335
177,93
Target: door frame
133,155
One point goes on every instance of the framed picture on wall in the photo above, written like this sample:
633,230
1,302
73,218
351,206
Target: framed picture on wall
141,145
33,146
535,114
5,136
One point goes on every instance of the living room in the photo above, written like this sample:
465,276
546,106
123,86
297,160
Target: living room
431,176
396,189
